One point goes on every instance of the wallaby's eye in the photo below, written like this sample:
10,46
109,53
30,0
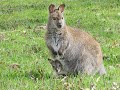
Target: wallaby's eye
62,17
54,18
59,65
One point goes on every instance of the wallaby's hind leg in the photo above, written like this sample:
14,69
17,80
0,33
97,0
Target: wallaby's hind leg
102,70
89,69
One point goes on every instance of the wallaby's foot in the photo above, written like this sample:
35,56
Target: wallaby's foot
102,70
89,70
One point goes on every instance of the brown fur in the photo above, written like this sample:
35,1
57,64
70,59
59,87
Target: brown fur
75,49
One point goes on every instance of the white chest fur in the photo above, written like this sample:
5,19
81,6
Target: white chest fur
54,40
55,43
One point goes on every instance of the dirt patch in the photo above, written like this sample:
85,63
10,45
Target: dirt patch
2,37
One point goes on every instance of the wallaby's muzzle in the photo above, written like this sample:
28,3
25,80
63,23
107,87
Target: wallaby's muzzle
59,25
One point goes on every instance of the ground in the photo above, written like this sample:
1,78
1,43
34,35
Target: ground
23,52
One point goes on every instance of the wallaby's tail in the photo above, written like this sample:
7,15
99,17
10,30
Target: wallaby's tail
102,70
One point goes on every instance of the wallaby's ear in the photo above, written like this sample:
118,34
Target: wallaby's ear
51,8
61,7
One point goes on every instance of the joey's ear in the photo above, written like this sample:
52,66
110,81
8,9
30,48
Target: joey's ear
61,7
51,8
50,60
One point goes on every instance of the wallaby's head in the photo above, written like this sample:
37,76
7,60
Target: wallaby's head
56,18
56,64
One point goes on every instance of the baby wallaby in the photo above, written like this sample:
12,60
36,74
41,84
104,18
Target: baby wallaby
76,50
57,67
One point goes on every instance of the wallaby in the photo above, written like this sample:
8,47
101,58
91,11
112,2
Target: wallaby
74,48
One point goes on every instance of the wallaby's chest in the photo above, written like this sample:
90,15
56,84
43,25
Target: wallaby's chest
55,41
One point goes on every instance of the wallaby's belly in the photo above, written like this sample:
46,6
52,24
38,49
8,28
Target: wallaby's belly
77,58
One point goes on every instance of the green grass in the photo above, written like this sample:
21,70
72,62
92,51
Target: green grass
23,52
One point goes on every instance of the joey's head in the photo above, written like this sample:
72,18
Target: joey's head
56,19
56,65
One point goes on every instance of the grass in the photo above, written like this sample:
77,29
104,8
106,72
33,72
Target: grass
23,52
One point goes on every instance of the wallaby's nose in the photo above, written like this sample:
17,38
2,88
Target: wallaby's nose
59,25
